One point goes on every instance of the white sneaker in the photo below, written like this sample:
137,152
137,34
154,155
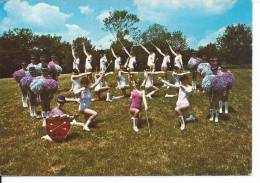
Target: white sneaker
182,123
46,137
86,128
135,128
211,115
75,123
190,118
216,117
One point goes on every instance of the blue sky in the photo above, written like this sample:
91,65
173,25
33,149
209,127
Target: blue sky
201,21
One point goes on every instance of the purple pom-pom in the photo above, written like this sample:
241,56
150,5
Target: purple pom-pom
18,75
26,82
50,85
229,79
219,84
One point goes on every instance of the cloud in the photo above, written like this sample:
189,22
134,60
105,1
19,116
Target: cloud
104,42
86,10
211,6
104,14
40,16
211,37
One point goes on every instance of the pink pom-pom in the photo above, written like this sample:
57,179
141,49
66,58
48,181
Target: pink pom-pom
18,75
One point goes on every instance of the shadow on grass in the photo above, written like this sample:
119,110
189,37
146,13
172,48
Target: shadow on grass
143,123
72,136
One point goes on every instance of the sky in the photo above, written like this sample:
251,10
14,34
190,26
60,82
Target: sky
201,21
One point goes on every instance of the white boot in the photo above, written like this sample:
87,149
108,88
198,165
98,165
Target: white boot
44,122
108,97
24,101
74,122
220,103
182,122
216,117
34,111
31,111
190,118
192,84
195,85
46,137
85,127
135,128
211,111
226,107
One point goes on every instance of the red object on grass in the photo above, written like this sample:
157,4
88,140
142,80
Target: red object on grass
58,127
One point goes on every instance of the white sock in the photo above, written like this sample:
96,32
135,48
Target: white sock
169,96
211,111
86,127
31,110
220,106
226,107
135,128
192,84
182,122
216,117
195,85
190,118
108,96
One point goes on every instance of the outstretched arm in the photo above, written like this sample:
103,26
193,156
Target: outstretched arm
159,50
113,53
169,84
144,101
80,75
97,81
145,49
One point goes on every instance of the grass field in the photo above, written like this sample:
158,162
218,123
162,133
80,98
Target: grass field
113,148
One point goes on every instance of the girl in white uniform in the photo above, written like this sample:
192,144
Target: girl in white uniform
178,58
148,82
182,103
166,61
102,86
151,58
76,59
86,99
88,66
103,62
117,61
75,79
131,61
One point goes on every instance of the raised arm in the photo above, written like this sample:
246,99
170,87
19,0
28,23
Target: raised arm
126,51
73,53
84,50
159,50
173,52
145,49
113,53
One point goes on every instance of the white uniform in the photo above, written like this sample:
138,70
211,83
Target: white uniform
75,85
103,61
85,99
166,60
88,65
76,64
121,81
178,61
148,80
151,60
184,92
117,63
132,61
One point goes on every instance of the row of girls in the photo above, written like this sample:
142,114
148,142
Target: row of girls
38,82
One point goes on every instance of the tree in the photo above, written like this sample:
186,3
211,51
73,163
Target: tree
235,45
121,24
210,50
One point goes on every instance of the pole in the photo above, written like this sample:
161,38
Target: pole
148,124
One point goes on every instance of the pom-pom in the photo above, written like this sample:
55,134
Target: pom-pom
205,72
207,83
192,63
18,75
26,82
229,79
219,84
37,85
54,68
203,66
50,85
58,68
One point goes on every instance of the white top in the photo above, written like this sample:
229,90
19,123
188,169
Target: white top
178,61
121,81
85,99
132,61
88,62
184,92
76,63
148,80
117,63
75,85
103,61
151,59
166,60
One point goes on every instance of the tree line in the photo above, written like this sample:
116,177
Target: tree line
234,46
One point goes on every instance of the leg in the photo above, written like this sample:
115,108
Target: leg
92,115
155,89
135,113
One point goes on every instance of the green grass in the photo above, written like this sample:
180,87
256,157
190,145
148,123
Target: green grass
112,148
